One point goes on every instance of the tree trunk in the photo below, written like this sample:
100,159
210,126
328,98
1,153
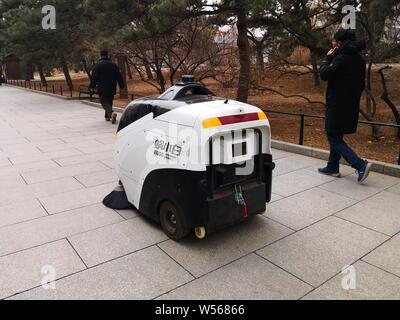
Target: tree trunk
260,59
148,70
388,101
121,59
314,63
128,69
86,67
369,88
42,75
29,71
244,53
67,75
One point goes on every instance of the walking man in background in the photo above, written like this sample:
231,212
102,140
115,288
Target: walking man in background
105,76
345,70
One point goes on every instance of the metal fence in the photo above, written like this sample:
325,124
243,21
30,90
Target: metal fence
303,116
54,89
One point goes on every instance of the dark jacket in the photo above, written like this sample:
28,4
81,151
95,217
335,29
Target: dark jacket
345,73
105,76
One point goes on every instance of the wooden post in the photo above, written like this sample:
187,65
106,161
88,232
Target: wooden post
121,59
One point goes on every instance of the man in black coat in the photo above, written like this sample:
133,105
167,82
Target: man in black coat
105,76
344,69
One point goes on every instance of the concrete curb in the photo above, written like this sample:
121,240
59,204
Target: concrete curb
44,93
379,167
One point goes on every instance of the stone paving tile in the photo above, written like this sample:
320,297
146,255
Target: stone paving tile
82,159
142,275
63,172
275,198
279,154
109,162
11,141
128,214
98,178
320,251
81,144
20,211
395,189
98,149
293,163
11,181
306,208
18,193
387,256
201,257
50,228
349,187
44,156
371,284
76,199
28,168
298,181
250,278
113,241
53,187
380,213
25,270
5,162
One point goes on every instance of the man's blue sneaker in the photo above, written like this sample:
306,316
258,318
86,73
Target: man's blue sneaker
364,171
329,172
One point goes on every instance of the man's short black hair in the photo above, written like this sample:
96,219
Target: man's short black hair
104,53
345,35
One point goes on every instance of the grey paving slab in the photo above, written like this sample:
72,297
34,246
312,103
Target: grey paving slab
142,275
36,232
28,168
395,189
201,257
109,162
83,159
275,197
298,181
279,154
62,172
11,181
19,211
98,178
28,157
27,269
113,241
22,192
128,213
371,284
5,162
306,208
387,256
289,164
320,251
380,212
76,199
99,149
349,187
249,278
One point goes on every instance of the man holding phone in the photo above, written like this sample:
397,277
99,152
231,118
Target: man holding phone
345,71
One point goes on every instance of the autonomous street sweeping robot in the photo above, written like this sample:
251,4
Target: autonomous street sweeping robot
192,161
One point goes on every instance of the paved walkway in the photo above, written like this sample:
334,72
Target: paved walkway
56,166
